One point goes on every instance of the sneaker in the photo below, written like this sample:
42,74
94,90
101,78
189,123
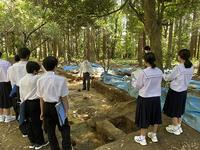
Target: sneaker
140,140
32,146
24,135
173,129
2,118
153,137
37,146
9,118
180,128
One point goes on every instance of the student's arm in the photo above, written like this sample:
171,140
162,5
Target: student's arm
138,83
66,104
64,96
42,109
172,75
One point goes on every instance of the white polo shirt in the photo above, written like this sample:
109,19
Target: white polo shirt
180,78
85,66
16,72
4,65
28,87
149,82
51,87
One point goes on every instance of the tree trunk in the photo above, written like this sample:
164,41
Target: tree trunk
179,43
153,27
169,49
193,42
141,44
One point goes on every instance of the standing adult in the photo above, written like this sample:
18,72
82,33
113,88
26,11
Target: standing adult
85,71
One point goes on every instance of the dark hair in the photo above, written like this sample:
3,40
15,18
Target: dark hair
0,54
150,58
147,48
185,55
24,53
17,58
50,63
32,66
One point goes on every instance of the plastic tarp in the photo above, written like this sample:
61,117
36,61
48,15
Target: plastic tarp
192,111
98,69
195,84
70,68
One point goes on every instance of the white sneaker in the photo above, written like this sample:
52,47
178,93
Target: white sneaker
9,118
2,118
180,128
173,129
140,140
153,137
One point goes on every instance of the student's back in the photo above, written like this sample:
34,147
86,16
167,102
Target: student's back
4,65
180,78
51,86
17,71
148,78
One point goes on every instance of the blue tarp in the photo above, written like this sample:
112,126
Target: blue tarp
70,68
192,110
195,84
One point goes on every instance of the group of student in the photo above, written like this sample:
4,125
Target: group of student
148,82
34,96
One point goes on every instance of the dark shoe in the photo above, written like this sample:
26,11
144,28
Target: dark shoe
83,88
37,146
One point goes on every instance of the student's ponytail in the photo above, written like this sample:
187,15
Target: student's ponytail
150,58
185,55
188,63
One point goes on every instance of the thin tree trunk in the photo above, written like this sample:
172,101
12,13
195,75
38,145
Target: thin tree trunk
169,51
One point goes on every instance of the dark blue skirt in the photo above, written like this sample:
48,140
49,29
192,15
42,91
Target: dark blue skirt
148,112
175,103
5,100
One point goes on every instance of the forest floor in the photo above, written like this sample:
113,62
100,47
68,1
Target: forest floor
85,105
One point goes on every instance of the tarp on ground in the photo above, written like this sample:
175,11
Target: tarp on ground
98,69
192,112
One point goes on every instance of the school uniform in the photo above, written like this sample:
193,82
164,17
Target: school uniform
180,78
28,96
15,73
85,71
5,86
50,88
148,109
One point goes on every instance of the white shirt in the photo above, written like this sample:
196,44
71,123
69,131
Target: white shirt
28,87
4,65
85,66
51,87
16,72
180,78
149,82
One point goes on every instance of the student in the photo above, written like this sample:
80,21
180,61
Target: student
52,88
15,73
179,78
28,88
148,109
85,71
5,89
147,49
17,59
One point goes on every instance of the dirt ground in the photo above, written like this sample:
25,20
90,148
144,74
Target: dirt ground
85,105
